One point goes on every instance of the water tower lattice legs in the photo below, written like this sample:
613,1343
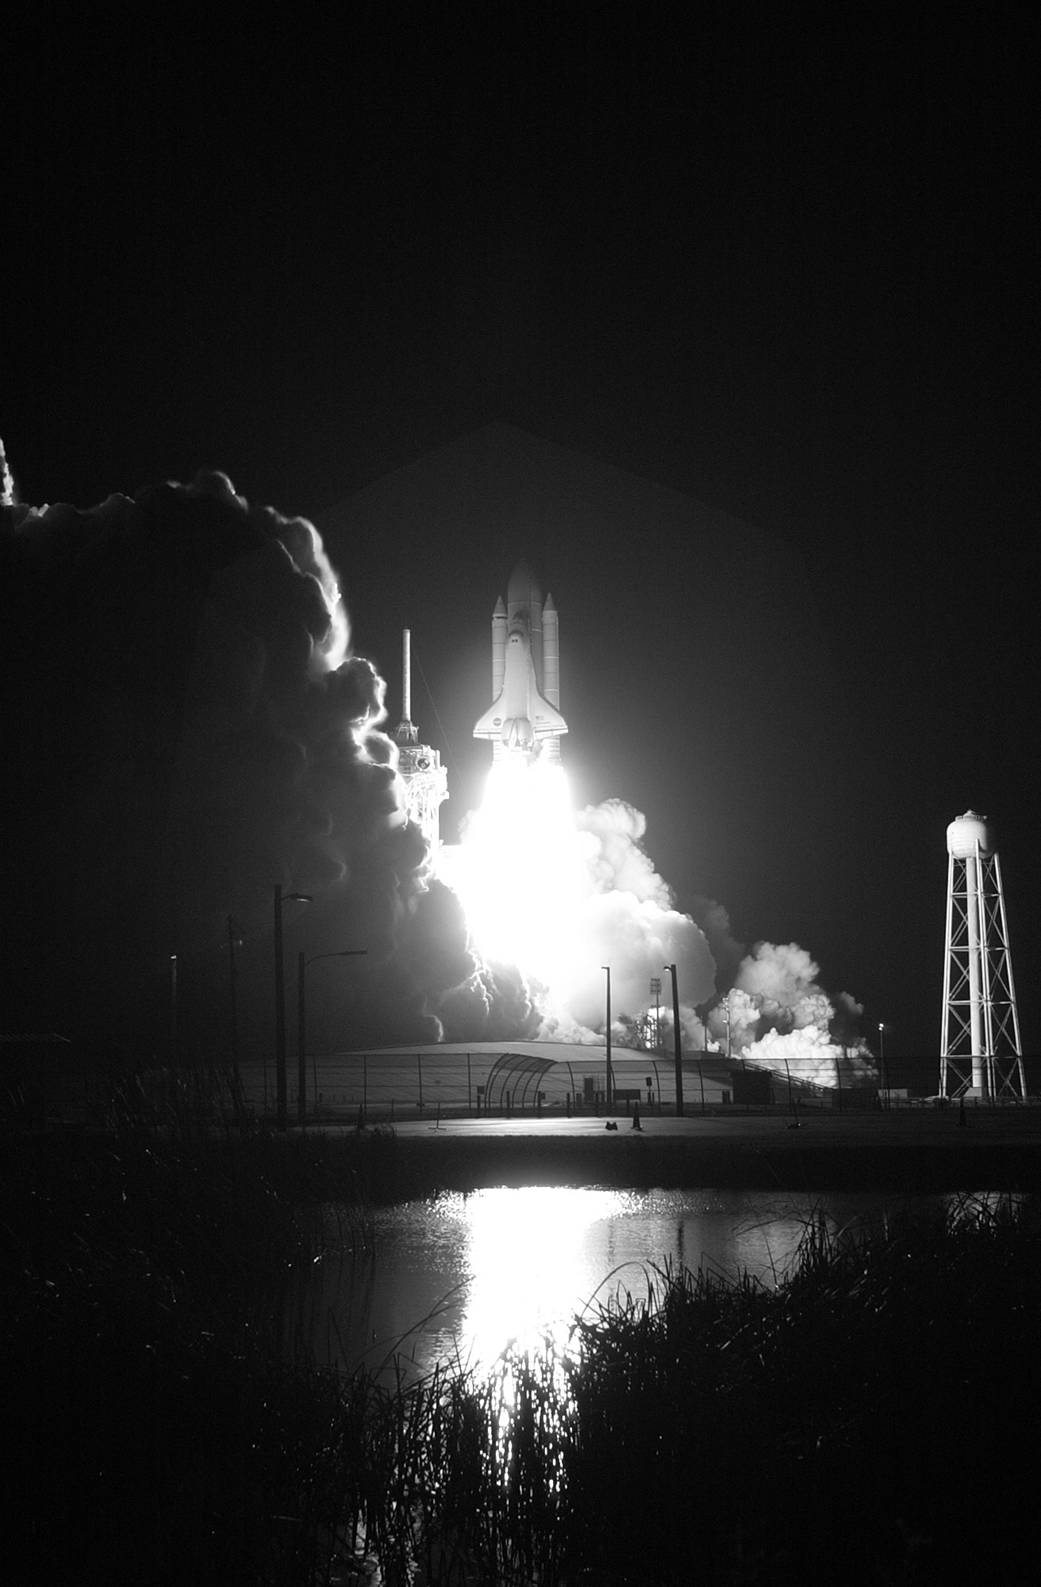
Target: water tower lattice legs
980,1046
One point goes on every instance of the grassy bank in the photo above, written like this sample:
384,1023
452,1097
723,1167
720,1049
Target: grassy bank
862,1423
859,1424
912,1155
157,1427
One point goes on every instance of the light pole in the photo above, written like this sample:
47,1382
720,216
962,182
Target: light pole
701,1057
175,1033
882,1061
676,1040
234,936
607,1045
280,1007
301,1013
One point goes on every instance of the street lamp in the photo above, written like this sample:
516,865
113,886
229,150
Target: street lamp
301,1011
175,1024
607,1046
882,1059
701,1056
280,1006
234,938
676,1040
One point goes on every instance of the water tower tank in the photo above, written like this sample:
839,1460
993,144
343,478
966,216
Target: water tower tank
965,833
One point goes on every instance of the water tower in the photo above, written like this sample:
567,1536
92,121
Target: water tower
981,1055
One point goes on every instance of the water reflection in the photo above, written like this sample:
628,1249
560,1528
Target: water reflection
463,1277
532,1256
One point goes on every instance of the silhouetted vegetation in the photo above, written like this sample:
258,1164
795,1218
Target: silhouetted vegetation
859,1423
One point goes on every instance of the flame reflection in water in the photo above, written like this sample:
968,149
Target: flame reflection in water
462,1278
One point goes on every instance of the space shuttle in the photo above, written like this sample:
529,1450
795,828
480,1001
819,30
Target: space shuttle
524,721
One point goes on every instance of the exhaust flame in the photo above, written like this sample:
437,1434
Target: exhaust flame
518,869
561,894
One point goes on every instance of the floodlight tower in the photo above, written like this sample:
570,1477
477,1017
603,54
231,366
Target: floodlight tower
981,1054
419,766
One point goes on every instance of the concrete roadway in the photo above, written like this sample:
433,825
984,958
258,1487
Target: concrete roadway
450,1083
908,1127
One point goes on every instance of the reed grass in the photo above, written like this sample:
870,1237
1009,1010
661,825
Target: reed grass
859,1421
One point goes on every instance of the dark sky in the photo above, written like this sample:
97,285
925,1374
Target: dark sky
788,269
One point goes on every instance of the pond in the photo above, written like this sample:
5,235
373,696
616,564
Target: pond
460,1278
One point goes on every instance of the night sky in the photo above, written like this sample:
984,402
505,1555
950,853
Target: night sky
785,269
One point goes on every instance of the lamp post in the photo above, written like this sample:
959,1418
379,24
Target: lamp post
607,1045
280,1007
882,1060
301,1013
701,1057
175,1031
676,1040
234,937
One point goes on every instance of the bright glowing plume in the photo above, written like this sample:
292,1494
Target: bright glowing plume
518,869
560,894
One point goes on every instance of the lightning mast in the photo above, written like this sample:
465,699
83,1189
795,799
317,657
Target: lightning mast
419,766
981,1054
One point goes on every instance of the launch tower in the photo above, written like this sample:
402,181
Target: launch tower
419,766
981,1055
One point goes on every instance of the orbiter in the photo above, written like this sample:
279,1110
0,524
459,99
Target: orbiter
524,720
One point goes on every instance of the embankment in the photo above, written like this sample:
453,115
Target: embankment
909,1158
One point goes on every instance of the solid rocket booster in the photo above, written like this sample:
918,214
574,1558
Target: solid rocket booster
524,719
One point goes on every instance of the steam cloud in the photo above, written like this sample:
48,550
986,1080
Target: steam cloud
780,1016
195,729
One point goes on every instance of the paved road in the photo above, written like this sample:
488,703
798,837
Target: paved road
386,1092
909,1128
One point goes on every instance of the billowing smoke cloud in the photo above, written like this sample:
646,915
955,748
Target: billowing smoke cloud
782,981
631,920
7,489
193,730
781,1018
